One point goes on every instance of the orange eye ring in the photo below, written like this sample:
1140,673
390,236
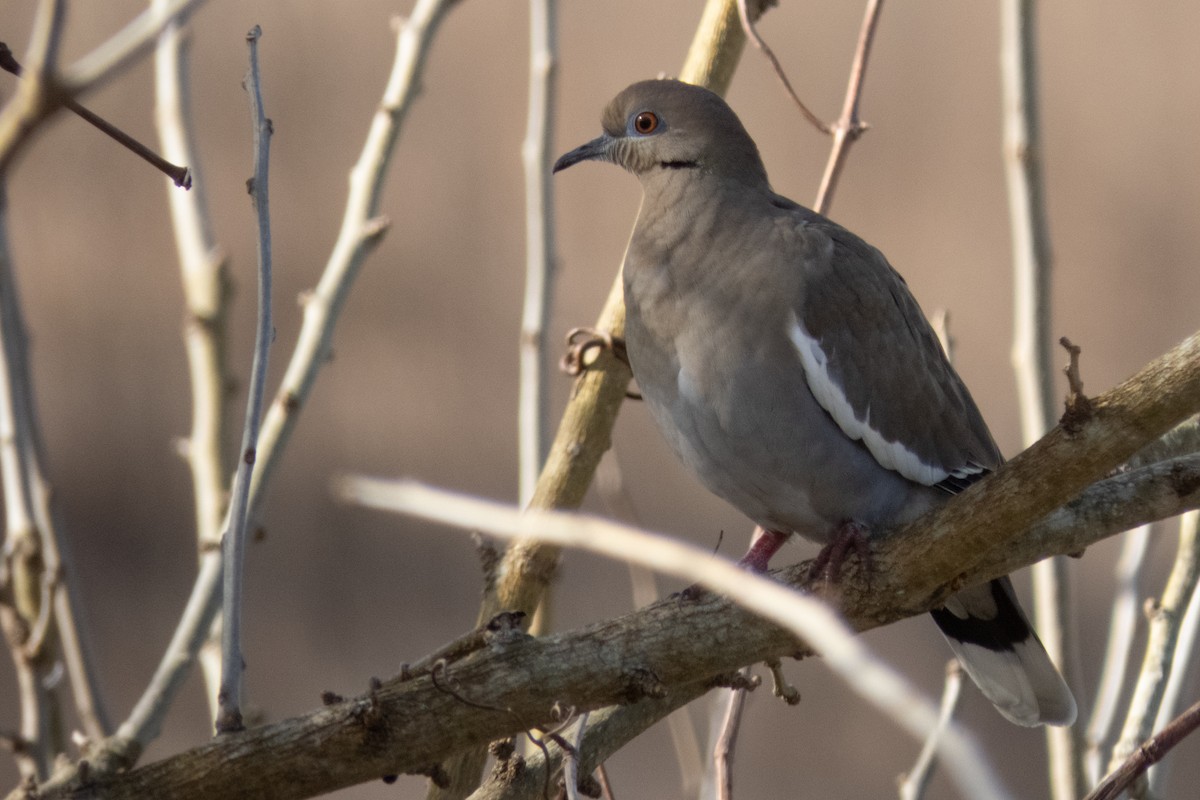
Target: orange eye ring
645,123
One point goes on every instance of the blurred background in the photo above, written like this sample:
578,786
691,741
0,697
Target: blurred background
423,382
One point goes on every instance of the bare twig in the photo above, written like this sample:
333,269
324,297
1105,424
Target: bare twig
125,46
1166,618
916,781
1149,752
1189,629
1031,352
33,537
1118,651
849,127
753,36
43,92
206,294
360,230
571,759
229,700
178,174
532,413
725,743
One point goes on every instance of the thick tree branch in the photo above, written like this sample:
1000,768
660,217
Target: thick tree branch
408,726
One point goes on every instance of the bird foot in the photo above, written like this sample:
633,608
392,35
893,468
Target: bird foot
849,536
584,346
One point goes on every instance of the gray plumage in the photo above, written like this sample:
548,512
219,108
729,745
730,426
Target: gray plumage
789,367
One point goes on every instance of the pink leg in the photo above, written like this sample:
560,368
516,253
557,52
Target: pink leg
758,557
850,536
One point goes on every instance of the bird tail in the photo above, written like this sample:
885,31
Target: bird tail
998,648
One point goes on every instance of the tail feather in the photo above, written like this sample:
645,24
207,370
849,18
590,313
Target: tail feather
998,648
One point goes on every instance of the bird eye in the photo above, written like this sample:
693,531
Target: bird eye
645,122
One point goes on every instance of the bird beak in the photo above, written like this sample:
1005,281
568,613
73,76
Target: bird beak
597,149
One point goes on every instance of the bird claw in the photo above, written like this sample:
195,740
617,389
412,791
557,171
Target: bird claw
850,536
585,344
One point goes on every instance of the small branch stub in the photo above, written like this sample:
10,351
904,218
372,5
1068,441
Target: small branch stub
1078,407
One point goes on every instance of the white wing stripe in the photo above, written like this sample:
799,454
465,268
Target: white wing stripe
892,455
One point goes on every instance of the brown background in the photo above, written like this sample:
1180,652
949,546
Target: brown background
423,383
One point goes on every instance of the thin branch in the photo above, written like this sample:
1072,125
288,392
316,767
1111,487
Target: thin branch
1032,347
571,760
360,230
1119,650
535,356
1150,752
125,46
229,700
753,36
27,490
206,295
1181,663
914,784
1166,617
179,175
44,92
726,741
849,127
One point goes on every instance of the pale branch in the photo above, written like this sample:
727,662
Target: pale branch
233,546
206,292
34,538
1118,650
1032,348
849,127
534,346
913,784
361,228
125,46
1180,667
1166,618
724,747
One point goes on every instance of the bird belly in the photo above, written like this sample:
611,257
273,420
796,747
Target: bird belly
776,455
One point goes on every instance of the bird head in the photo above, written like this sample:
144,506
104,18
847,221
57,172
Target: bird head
659,126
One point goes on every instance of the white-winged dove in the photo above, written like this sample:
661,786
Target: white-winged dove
789,367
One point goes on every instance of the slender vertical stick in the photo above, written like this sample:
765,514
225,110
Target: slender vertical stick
1032,346
533,423
849,127
1181,661
1123,620
229,716
206,294
42,577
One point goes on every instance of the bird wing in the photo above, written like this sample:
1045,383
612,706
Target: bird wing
875,365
